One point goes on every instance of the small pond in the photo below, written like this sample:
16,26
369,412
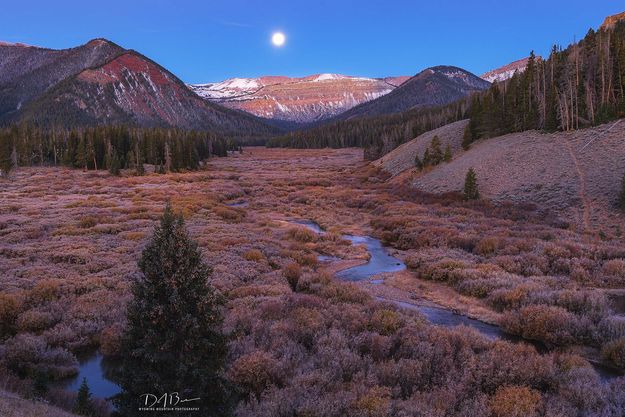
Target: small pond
97,370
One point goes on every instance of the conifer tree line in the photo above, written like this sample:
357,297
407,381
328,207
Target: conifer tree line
577,87
378,135
108,147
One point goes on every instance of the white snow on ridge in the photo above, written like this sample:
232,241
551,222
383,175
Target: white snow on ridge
501,76
325,77
231,87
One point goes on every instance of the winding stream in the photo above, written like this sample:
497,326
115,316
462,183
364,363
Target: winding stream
97,369
382,261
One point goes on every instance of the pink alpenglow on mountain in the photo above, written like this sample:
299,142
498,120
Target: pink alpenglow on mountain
304,99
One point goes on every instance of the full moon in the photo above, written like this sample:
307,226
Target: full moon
278,39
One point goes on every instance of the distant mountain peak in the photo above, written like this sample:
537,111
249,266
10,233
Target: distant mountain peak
100,42
610,21
434,86
23,45
302,99
507,71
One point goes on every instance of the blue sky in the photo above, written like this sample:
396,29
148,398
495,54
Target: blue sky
202,41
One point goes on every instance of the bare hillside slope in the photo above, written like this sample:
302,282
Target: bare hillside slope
556,171
403,157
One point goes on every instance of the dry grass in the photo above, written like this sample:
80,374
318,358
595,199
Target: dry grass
13,406
69,242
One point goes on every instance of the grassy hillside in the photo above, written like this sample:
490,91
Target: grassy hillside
403,157
556,171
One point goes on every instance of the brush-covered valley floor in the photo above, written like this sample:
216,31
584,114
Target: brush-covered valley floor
70,241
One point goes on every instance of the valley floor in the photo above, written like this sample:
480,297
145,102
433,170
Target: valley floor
70,240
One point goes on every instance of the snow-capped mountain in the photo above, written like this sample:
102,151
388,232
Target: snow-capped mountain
505,72
303,100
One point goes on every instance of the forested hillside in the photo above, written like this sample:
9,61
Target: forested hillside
107,147
378,135
580,86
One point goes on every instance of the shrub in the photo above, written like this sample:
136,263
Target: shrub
253,255
385,322
46,290
111,340
27,354
87,222
302,234
614,352
615,267
292,272
515,401
376,402
34,321
550,324
9,310
487,246
230,214
255,372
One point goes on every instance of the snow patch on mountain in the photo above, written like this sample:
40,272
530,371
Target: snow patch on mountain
507,71
303,99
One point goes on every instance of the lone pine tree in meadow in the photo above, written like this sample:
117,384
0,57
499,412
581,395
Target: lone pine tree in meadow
471,191
173,342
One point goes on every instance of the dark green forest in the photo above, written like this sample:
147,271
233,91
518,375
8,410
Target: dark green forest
108,147
577,87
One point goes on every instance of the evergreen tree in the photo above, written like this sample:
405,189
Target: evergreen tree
467,137
6,159
621,199
84,403
173,342
417,162
427,159
436,152
448,155
114,164
471,191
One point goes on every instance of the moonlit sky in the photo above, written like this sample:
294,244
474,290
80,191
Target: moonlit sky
203,41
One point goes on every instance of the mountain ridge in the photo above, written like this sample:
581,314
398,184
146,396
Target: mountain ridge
305,99
434,86
121,86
